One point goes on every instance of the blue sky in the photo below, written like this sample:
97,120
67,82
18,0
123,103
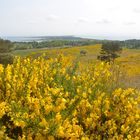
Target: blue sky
100,18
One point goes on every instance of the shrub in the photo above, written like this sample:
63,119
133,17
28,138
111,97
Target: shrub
5,48
83,52
56,99
6,58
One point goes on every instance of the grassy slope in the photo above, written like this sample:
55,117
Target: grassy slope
129,59
130,62
92,52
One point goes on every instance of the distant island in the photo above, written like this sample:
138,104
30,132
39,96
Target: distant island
60,41
39,38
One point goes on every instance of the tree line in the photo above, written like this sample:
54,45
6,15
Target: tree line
132,44
109,52
52,43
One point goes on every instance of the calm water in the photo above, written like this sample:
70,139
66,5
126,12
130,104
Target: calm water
22,39
112,37
41,38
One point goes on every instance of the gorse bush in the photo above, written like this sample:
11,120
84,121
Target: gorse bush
62,99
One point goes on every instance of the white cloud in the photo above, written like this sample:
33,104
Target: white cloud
32,21
136,10
129,23
52,17
82,20
103,21
113,9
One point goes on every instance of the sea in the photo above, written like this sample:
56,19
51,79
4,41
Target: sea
22,39
42,38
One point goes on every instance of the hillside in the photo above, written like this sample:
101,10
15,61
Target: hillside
129,60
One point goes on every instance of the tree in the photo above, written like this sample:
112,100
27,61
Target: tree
5,48
109,51
83,52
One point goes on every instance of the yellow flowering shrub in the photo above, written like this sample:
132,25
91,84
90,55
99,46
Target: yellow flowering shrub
61,99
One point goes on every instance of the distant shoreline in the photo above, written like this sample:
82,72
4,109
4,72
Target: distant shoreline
39,38
50,38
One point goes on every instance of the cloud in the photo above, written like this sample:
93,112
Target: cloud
129,23
136,10
112,9
52,17
32,21
103,21
82,20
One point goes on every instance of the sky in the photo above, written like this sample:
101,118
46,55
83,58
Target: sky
105,19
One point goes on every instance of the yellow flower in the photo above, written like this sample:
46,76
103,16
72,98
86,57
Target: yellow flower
84,138
58,117
60,132
51,138
129,137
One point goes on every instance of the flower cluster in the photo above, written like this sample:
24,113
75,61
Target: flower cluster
61,99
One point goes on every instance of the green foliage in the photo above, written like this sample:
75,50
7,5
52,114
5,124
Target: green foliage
5,48
53,43
132,44
22,46
6,58
109,51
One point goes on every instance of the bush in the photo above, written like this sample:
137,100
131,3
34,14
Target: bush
6,58
83,52
5,48
56,99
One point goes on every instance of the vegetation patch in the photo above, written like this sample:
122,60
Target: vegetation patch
61,98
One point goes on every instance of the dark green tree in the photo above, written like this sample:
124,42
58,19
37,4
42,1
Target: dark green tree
109,51
5,52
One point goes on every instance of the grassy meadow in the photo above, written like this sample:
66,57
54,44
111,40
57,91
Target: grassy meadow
129,60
